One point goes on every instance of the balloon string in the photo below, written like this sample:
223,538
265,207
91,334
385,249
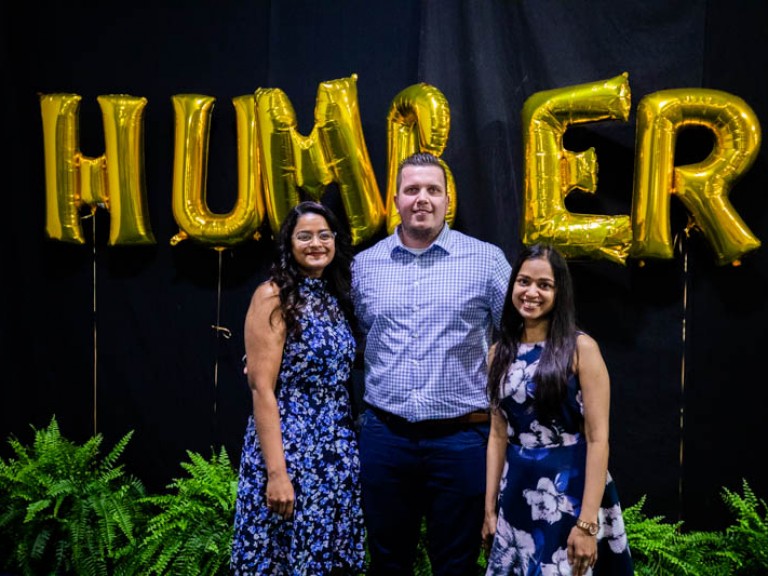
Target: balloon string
682,243
92,216
219,331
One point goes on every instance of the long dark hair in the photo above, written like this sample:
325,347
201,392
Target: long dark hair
286,275
556,363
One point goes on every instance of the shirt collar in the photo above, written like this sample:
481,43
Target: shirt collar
442,242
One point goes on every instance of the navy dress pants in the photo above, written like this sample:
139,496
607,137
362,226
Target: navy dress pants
411,471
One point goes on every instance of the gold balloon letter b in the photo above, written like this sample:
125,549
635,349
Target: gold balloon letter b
419,120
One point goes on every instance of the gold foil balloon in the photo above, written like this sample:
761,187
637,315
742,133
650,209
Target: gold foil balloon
419,120
114,181
335,151
190,208
552,172
702,187
61,144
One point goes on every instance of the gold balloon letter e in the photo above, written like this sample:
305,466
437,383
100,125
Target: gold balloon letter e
551,172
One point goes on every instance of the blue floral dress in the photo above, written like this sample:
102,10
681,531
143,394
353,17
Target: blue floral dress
542,484
321,452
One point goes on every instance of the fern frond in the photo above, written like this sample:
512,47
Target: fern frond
65,509
659,547
748,537
193,529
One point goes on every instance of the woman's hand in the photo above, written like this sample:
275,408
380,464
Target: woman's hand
582,551
489,531
280,495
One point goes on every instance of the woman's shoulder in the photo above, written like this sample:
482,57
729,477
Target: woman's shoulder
266,291
585,342
587,349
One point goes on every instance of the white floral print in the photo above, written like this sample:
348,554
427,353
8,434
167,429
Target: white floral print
546,502
543,482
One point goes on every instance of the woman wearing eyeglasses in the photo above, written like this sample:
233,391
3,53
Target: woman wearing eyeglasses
298,500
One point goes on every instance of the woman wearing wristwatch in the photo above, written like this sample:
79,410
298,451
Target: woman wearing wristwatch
551,506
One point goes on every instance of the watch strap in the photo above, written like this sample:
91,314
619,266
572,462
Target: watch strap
590,528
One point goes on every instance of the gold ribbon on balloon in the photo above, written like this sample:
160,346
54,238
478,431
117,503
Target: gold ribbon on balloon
552,172
702,187
114,181
334,151
189,197
419,120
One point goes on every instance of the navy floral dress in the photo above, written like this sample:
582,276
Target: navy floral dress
542,484
326,531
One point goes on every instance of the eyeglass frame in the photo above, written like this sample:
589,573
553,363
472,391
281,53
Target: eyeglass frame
331,237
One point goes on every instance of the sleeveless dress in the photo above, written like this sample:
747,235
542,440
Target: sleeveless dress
326,531
542,485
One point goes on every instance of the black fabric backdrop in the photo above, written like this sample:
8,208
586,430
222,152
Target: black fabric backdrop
112,339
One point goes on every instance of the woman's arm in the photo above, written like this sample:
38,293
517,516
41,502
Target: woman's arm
264,342
596,396
496,454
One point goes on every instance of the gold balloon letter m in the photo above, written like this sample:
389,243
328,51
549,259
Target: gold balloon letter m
335,150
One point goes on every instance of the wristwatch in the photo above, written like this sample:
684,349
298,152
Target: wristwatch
590,528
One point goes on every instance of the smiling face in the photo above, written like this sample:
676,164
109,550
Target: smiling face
534,292
313,244
422,202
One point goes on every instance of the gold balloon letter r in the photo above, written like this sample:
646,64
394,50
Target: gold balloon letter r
702,187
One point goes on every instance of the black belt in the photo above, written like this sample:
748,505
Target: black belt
476,417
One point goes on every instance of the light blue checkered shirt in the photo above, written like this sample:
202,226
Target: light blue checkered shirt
428,322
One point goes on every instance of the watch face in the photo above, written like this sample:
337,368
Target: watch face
593,529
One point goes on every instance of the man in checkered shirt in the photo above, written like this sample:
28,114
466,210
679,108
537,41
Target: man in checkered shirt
427,299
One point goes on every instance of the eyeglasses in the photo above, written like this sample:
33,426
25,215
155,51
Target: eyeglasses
325,236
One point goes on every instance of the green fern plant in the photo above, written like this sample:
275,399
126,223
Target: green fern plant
66,511
663,548
422,566
192,531
63,510
748,536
